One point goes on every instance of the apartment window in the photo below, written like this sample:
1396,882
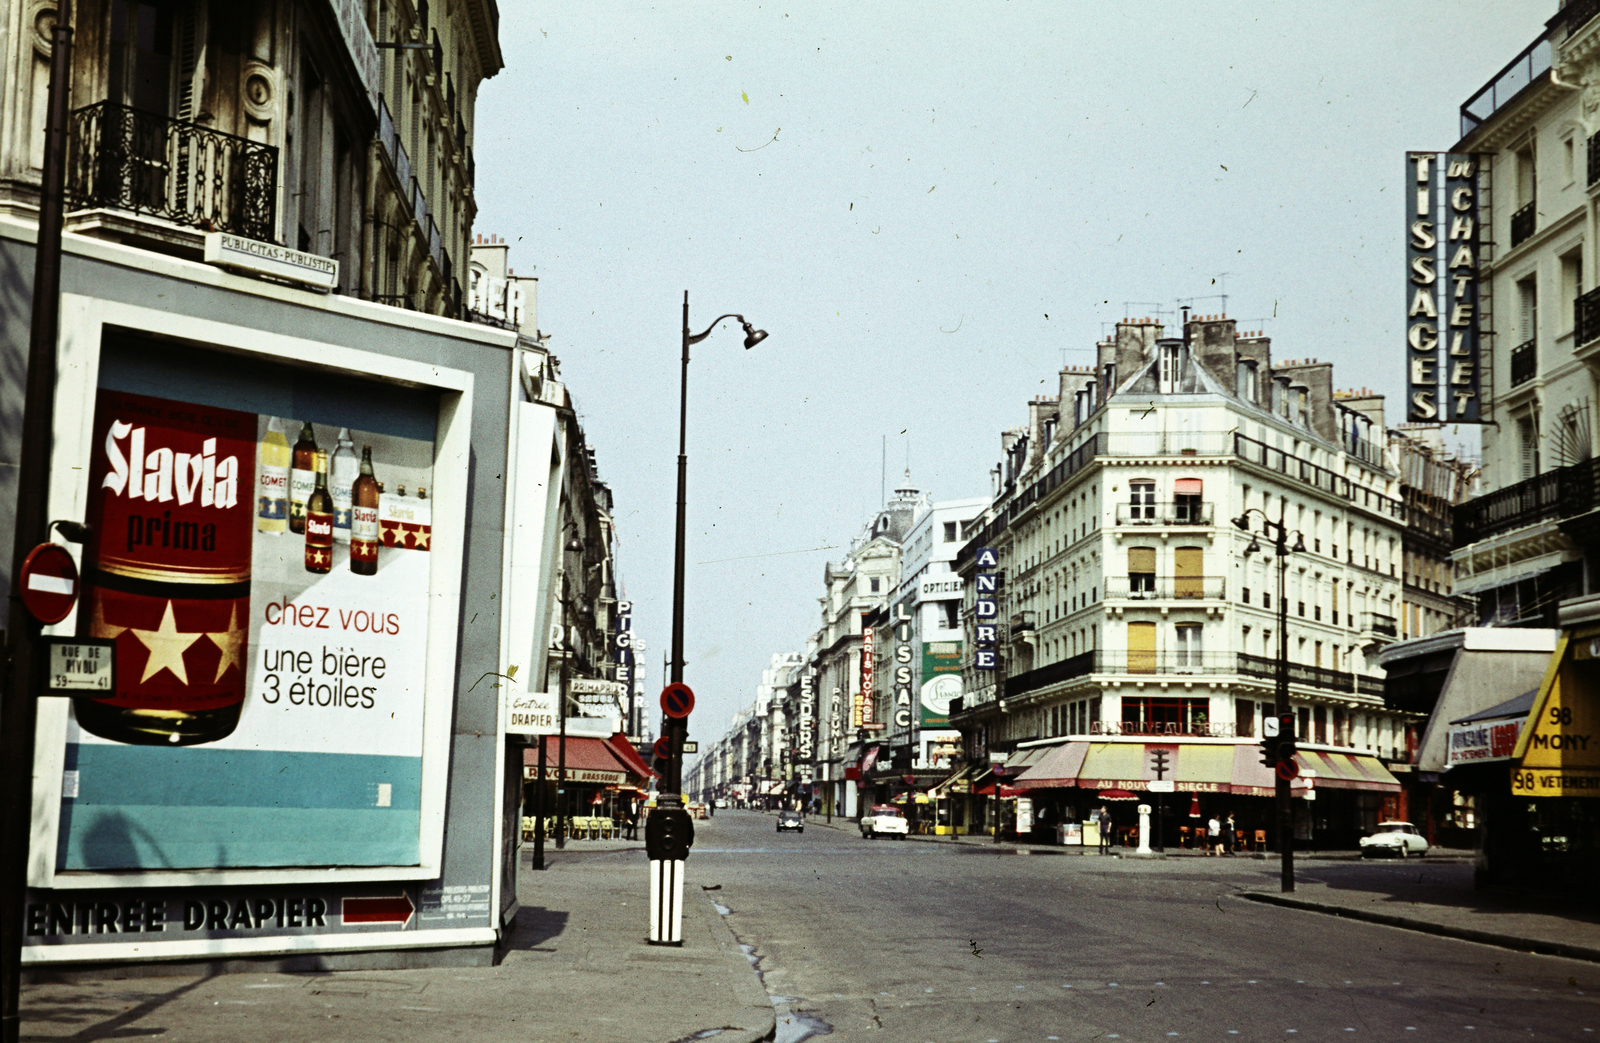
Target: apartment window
1528,438
1302,604
1187,646
1244,718
1317,655
1245,594
1249,381
1571,287
1186,502
1141,572
947,614
1319,718
875,585
1170,361
1141,501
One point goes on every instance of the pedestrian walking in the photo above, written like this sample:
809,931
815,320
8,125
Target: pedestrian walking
1230,835
1104,822
1213,837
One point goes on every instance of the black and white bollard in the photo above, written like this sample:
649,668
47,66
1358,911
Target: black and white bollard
666,901
668,836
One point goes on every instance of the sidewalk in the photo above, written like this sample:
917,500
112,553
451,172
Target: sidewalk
1441,899
575,966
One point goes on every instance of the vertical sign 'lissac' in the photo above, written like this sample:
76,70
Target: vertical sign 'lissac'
1442,273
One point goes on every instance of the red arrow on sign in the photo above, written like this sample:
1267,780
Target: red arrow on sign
49,583
378,910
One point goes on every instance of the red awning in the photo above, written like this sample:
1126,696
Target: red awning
1006,790
630,756
589,760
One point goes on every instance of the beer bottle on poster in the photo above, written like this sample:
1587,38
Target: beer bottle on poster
167,568
364,519
272,487
319,522
302,479
343,468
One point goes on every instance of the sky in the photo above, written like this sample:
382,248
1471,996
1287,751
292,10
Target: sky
931,208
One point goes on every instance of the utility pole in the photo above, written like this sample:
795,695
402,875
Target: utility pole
31,527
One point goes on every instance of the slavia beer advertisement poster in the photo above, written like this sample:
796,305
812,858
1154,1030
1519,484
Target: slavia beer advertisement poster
265,580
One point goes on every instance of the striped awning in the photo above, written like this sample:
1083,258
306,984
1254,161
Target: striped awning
1347,771
1058,767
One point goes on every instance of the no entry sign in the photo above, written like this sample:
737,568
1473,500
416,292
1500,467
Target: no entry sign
677,700
662,748
49,583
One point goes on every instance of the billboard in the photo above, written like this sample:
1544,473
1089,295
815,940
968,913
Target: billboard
941,681
1442,275
265,580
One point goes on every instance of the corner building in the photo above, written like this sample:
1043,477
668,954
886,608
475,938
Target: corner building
1137,638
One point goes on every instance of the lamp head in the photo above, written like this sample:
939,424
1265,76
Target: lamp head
1242,522
752,336
1299,543
1255,545
574,545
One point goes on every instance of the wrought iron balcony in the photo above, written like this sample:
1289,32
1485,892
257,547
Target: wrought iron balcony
123,158
1299,673
1186,588
1586,312
1524,362
1379,625
1522,225
1178,513
1563,493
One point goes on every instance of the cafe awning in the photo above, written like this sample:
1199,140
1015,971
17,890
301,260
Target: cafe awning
624,749
1332,770
950,783
590,761
1347,771
1056,769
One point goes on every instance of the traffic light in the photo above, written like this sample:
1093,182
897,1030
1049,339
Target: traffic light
1277,739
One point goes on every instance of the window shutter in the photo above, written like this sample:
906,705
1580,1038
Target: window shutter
1141,648
1141,559
1188,572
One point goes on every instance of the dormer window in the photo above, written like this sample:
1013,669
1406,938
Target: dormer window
1171,361
1249,382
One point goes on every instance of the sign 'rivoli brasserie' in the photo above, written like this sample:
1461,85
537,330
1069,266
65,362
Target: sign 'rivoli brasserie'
1442,273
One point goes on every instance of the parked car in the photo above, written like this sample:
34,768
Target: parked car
791,820
1399,839
886,820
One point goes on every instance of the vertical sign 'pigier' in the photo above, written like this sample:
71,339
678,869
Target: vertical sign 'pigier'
1442,239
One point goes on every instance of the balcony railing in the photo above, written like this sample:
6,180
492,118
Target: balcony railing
1532,63
123,158
1586,314
1299,673
1563,493
1379,624
1522,224
1178,513
1191,588
1524,362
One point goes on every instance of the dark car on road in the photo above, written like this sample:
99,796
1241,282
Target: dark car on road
791,820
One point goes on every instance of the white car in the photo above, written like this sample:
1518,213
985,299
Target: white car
1399,839
884,820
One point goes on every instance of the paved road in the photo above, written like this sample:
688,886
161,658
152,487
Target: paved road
914,941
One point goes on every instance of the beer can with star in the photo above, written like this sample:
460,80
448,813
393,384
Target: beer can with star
167,568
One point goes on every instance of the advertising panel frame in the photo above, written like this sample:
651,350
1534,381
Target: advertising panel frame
86,320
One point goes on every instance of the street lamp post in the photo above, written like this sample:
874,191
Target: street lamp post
669,833
1280,545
